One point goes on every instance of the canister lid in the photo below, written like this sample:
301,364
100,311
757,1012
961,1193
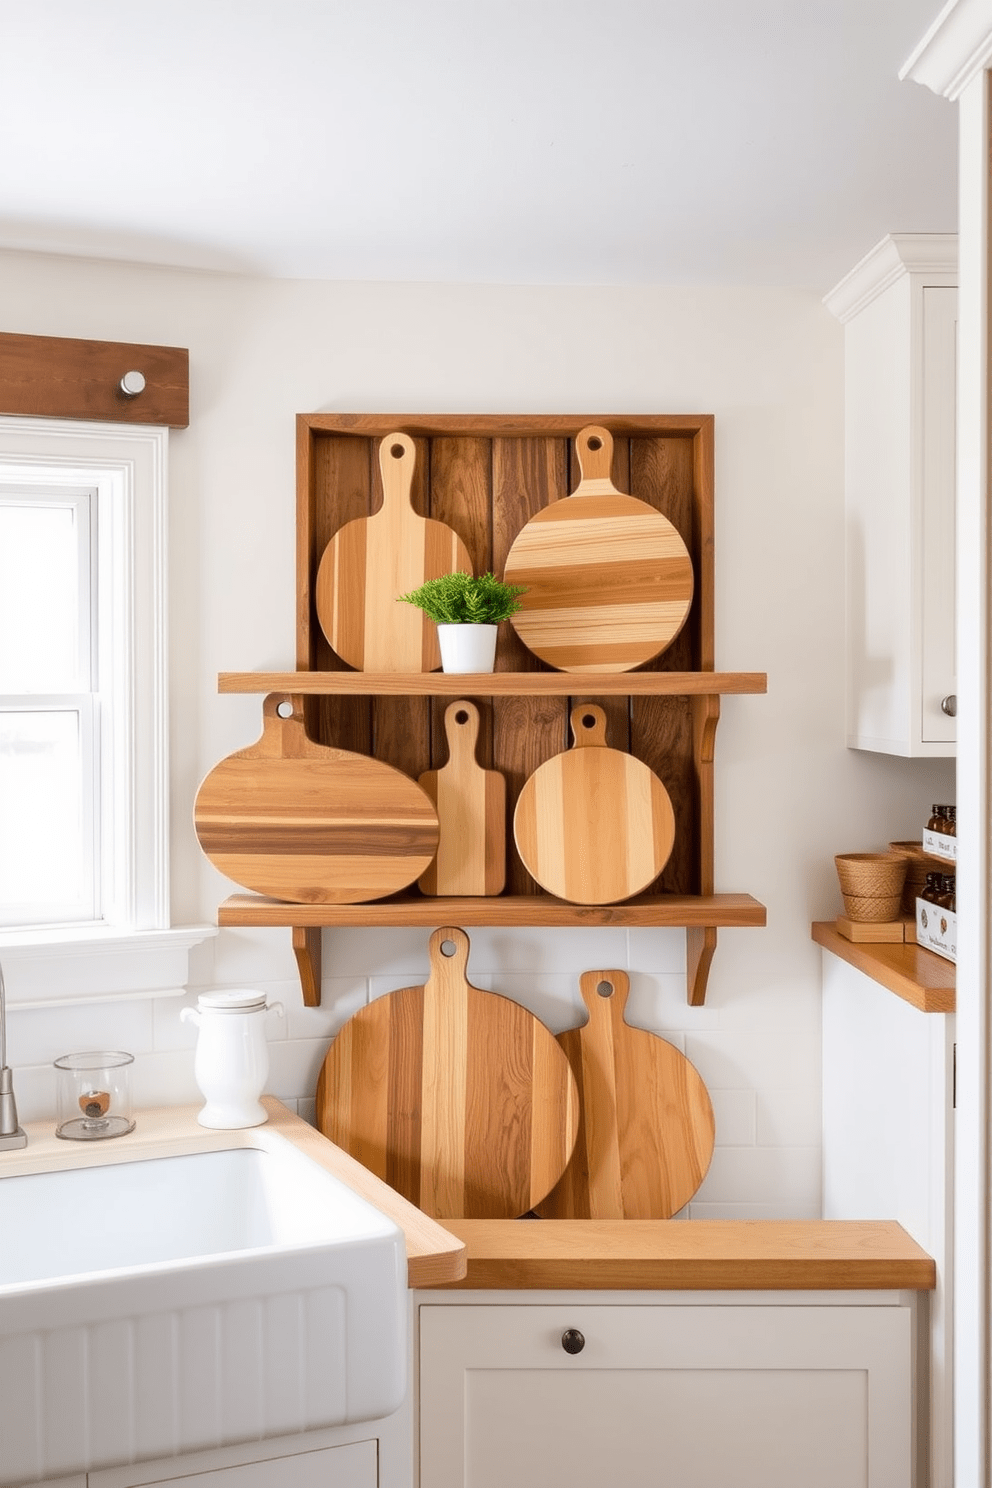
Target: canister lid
240,1000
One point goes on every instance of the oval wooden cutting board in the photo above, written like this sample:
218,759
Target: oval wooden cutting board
370,562
471,811
646,1127
593,825
459,1099
609,580
313,825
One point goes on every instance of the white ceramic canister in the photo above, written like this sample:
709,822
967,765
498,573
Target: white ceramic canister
232,1057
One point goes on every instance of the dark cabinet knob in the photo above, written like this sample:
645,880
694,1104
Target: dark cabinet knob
572,1341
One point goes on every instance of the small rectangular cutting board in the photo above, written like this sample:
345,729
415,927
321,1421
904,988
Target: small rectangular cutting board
471,811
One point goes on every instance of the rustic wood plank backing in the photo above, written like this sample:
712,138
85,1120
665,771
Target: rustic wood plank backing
485,476
339,490
528,474
61,377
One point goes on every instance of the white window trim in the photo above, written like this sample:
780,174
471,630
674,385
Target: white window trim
130,954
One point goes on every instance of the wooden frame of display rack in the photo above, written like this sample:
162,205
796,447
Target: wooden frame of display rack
486,475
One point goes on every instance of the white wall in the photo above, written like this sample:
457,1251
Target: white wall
789,795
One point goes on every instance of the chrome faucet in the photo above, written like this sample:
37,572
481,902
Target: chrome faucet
11,1135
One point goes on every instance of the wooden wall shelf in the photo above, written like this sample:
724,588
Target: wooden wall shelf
912,972
486,475
496,684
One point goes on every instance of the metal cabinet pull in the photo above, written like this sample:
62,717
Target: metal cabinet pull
572,1341
949,705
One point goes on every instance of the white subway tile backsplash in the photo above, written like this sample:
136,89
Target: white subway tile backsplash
164,1079
245,955
366,950
786,1208
735,1116
39,1035
525,948
34,1092
791,1115
340,998
735,1059
657,1003
657,950
294,1066
765,1175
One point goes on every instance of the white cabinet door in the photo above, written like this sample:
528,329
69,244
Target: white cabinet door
351,1466
707,1396
899,309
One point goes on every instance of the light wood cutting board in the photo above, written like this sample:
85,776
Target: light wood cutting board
368,563
609,580
313,825
646,1128
459,1099
471,811
593,825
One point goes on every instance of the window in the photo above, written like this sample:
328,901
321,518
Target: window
84,801
49,706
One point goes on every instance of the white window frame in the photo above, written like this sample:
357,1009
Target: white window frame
133,951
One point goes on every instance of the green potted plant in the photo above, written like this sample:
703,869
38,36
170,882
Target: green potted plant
467,612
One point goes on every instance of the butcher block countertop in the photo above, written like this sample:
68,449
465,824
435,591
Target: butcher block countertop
703,1254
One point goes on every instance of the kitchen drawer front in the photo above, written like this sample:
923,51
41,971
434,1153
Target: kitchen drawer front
760,1397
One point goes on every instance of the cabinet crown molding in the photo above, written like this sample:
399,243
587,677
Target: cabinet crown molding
954,50
896,255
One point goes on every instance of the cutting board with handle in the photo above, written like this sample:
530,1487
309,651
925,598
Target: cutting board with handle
609,580
371,561
646,1128
312,825
471,810
459,1099
593,825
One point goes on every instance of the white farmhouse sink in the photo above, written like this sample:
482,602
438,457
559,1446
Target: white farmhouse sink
160,1306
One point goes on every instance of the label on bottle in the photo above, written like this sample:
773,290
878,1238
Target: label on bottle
937,929
939,845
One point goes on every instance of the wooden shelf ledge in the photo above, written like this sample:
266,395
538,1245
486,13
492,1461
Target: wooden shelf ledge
700,915
913,973
705,1254
496,684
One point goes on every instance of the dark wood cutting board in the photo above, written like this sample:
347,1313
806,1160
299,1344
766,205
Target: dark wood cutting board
459,1099
646,1128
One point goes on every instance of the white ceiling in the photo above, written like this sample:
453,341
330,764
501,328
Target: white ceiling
512,141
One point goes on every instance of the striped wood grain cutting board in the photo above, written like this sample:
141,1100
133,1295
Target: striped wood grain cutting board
368,563
609,580
459,1099
593,825
313,825
646,1128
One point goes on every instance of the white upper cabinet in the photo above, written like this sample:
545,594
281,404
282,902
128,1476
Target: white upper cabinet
898,307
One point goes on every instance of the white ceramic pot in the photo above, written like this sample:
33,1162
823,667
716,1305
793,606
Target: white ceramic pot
232,1057
467,648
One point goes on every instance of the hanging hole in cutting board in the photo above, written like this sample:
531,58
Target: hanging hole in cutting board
588,720
595,442
397,451
285,709
461,716
605,989
448,948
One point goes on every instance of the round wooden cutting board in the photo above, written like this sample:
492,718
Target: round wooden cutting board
609,580
646,1127
593,825
370,562
313,825
459,1099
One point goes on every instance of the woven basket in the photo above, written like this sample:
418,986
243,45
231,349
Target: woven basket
872,885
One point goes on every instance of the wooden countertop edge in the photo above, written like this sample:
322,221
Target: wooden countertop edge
434,1255
918,976
665,1255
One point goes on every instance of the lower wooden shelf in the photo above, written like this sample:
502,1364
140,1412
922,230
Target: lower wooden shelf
910,971
700,915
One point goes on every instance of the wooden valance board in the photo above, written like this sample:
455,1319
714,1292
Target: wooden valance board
60,377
